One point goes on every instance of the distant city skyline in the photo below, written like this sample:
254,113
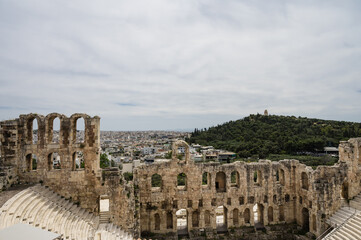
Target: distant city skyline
180,64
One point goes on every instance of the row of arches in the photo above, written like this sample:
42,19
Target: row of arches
219,215
221,218
53,129
54,161
221,180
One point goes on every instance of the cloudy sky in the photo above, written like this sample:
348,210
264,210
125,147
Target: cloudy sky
168,64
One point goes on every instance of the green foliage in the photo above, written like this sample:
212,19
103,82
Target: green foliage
156,180
181,179
104,161
128,176
264,135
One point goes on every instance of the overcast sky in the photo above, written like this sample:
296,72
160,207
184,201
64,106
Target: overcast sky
143,65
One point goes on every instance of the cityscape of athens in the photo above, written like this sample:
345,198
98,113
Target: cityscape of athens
180,120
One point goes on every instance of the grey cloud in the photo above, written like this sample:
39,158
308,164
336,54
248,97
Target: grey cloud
196,61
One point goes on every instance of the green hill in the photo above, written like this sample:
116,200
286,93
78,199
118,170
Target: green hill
261,136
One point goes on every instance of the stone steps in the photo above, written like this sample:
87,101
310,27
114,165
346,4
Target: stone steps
41,207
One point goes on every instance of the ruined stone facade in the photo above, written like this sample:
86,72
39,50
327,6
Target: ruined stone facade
84,182
283,192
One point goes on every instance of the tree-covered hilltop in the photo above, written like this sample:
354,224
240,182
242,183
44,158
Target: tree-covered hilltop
263,135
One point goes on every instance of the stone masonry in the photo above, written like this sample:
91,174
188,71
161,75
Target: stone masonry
283,192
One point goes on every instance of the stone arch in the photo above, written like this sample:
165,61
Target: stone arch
304,180
169,220
247,215
221,218
235,179
156,181
49,127
221,182
182,181
78,161
54,161
270,214
156,221
235,215
207,218
77,137
195,218
33,125
344,190
305,219
282,176
176,145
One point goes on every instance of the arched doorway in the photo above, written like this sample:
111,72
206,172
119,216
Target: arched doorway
182,222
221,219
258,213
305,219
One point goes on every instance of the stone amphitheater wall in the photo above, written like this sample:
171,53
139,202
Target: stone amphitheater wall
285,191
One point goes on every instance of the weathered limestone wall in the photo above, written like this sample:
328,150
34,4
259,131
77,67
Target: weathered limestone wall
285,191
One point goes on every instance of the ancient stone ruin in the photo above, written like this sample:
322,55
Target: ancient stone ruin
179,196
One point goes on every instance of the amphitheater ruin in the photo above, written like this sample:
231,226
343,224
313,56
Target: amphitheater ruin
87,202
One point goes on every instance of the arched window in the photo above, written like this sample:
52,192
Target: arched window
270,214
314,223
235,217
54,161
182,181
55,127
33,130
78,160
169,220
79,127
221,182
234,179
304,178
247,215
195,219
156,221
205,178
156,180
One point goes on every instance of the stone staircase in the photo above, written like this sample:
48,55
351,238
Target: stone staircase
346,222
42,208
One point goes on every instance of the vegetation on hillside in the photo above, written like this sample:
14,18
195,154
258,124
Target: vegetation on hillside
258,136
